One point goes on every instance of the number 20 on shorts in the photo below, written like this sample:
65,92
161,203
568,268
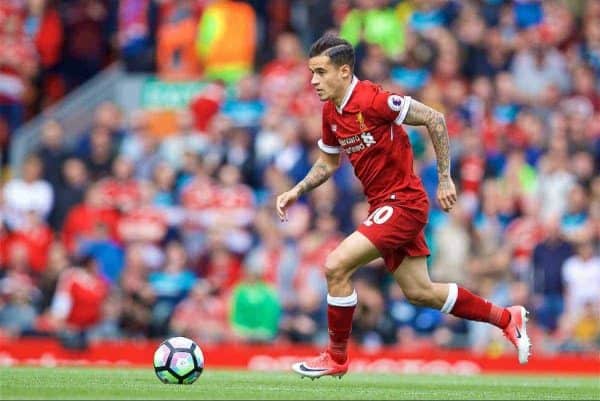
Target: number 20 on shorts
379,216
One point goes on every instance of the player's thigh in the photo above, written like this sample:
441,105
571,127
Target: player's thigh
412,275
354,251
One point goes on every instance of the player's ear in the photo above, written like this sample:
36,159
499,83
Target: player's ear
346,71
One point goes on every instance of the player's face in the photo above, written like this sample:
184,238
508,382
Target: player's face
328,80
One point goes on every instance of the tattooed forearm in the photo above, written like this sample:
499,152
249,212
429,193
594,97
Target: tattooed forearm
420,114
318,174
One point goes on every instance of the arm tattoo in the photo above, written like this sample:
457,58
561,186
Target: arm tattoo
420,114
318,174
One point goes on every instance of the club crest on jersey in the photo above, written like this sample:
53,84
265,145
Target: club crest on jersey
361,122
395,102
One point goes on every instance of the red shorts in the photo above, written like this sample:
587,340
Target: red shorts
396,231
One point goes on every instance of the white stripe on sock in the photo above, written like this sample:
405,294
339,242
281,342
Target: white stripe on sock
451,300
350,300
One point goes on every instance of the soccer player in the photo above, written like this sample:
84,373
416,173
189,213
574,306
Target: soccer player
365,121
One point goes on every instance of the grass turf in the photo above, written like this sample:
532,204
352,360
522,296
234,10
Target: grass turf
118,383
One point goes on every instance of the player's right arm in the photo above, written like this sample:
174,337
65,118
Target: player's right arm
320,172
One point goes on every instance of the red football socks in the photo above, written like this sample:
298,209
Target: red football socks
473,307
339,316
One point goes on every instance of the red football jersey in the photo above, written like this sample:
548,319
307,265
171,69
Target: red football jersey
367,127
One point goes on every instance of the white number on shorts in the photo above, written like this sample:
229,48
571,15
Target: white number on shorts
380,215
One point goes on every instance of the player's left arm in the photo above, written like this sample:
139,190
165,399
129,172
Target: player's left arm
421,114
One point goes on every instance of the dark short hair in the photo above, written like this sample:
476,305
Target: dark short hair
339,50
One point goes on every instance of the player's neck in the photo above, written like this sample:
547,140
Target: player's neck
337,101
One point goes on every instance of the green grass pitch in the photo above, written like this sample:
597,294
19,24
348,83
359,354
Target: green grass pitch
122,383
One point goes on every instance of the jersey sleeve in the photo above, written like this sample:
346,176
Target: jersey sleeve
391,107
328,142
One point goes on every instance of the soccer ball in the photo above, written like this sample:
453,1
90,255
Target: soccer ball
178,360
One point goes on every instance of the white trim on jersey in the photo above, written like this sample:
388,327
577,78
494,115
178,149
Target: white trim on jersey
404,111
327,148
347,95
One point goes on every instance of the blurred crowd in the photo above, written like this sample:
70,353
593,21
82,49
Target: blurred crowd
133,233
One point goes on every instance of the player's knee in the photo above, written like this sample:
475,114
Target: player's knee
419,296
335,267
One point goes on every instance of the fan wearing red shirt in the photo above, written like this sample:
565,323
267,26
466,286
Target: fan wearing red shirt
80,294
364,121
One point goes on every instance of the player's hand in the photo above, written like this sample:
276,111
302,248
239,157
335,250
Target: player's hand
446,194
284,201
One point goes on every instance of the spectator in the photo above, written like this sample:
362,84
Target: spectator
137,22
452,247
140,146
255,309
293,158
539,66
86,46
70,192
548,260
581,275
29,193
185,139
286,72
78,302
222,58
44,26
107,119
575,221
58,262
120,188
18,294
305,321
554,182
163,180
82,219
374,22
198,197
278,260
106,252
18,65
36,236
146,223
218,264
245,109
137,294
202,316
102,154
170,285
239,153
412,74
372,326
52,152
175,53
234,203
588,49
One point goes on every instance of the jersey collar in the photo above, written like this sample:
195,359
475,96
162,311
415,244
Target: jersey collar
348,94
